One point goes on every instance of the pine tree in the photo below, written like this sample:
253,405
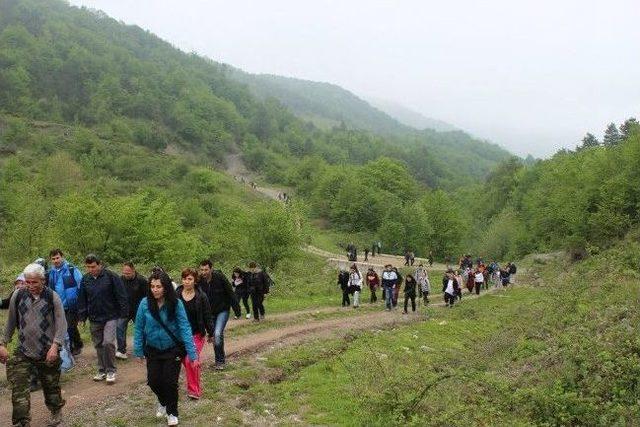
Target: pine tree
628,127
589,141
612,135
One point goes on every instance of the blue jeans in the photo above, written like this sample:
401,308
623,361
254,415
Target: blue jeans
388,296
219,321
121,335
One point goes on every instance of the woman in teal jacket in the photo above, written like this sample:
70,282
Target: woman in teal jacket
162,333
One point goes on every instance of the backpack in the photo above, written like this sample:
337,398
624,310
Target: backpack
512,269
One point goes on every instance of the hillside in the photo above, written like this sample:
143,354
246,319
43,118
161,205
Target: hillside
409,117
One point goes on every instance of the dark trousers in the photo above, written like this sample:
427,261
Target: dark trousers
242,294
19,371
374,297
449,299
425,297
75,340
162,378
477,287
257,299
345,298
408,297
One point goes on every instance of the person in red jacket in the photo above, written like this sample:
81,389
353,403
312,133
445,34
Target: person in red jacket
373,280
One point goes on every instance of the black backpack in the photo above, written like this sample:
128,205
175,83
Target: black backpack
513,269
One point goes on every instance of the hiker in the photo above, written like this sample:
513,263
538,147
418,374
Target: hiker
458,276
17,285
449,287
379,247
505,276
355,285
221,298
407,257
259,283
389,282
422,277
412,258
512,272
343,281
239,284
373,280
410,293
64,278
430,258
366,254
36,311
396,290
470,281
478,277
196,305
136,287
162,336
103,300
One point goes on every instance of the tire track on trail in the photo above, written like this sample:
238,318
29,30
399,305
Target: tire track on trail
82,393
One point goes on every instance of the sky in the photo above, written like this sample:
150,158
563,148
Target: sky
532,76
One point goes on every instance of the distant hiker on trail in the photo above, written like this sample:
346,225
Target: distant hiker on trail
389,282
355,285
65,278
494,272
407,257
259,282
449,287
239,283
163,336
343,281
430,258
102,300
505,276
374,283
136,287
478,277
352,253
196,305
410,285
221,297
396,290
471,280
422,277
366,254
38,314
512,272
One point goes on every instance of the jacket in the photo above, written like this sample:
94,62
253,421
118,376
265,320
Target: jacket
373,280
258,282
219,292
136,290
389,279
149,332
102,298
410,287
445,281
343,280
66,282
204,322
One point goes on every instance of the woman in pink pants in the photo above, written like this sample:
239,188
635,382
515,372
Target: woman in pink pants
198,311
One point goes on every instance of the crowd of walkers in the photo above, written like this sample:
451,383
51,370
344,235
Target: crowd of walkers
172,322
417,285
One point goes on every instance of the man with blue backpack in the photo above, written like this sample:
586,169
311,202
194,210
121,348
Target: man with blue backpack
64,278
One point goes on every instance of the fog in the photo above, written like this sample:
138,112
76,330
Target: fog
531,76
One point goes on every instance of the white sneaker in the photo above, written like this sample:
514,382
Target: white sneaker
111,377
172,420
161,411
248,316
121,356
100,376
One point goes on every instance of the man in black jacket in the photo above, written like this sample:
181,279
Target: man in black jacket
258,283
136,287
221,298
103,300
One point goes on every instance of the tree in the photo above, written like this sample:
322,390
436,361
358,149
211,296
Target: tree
628,127
589,141
612,135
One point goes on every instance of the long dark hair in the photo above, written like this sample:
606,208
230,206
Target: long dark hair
170,297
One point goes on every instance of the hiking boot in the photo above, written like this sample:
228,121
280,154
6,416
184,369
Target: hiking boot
121,355
111,377
100,376
56,418
219,367
161,411
172,420
236,317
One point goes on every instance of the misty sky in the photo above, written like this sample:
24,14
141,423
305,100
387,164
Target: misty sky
533,76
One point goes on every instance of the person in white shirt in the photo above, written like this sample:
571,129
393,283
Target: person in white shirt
355,285
450,287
